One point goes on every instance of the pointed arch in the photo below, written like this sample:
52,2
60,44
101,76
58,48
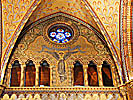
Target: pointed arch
106,74
15,74
110,45
30,73
78,74
92,74
44,74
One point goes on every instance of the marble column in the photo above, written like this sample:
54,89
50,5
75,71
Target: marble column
114,76
53,76
37,75
8,82
51,84
70,76
72,70
85,75
22,75
99,70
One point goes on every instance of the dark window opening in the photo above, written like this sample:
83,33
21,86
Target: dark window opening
78,74
30,74
106,74
44,74
92,74
15,74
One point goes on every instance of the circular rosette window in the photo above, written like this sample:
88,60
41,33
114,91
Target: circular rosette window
60,33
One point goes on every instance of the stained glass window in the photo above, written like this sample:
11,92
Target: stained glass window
60,33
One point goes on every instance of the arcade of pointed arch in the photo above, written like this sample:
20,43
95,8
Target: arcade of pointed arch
84,47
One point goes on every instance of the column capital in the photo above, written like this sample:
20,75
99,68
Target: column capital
9,67
85,66
113,67
72,66
99,66
50,67
23,65
37,64
52,64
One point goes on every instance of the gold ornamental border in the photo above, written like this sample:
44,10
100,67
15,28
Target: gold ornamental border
79,89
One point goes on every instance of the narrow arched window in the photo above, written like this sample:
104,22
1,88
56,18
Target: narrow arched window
92,74
15,74
78,74
106,74
30,74
44,74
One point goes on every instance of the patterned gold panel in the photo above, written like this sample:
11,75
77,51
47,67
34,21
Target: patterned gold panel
13,13
73,7
108,13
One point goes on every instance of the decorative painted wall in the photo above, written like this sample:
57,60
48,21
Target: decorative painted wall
109,20
80,9
85,46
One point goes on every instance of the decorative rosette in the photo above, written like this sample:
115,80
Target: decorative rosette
60,34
